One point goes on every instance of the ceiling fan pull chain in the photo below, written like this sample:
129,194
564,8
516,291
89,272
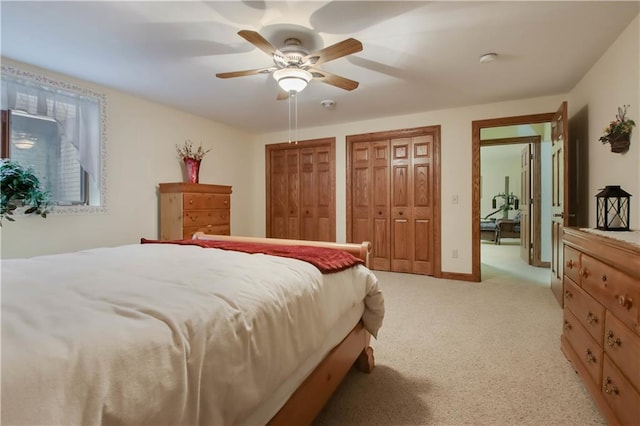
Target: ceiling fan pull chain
296,115
290,118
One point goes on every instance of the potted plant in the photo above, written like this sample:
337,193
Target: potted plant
19,186
192,158
618,132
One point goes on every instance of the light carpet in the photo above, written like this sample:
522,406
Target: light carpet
461,353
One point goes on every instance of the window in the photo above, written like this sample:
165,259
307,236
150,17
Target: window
58,129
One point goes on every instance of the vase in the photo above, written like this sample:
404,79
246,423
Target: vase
620,143
193,169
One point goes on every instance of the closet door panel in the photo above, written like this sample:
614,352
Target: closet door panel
278,191
324,197
361,190
401,201
293,194
422,211
308,194
381,235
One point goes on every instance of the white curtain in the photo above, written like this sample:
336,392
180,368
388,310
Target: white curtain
77,116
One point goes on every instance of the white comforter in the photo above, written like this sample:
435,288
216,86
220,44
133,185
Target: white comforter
163,334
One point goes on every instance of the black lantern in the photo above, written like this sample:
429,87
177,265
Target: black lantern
612,209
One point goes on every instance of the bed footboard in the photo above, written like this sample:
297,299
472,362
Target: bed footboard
361,250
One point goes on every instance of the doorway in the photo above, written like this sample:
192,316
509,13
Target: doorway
515,191
477,128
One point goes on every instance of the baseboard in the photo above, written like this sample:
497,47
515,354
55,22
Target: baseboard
458,276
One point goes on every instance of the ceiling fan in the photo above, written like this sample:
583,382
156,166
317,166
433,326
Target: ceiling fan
294,66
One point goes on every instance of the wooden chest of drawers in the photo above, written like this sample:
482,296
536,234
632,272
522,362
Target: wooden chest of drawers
186,208
601,335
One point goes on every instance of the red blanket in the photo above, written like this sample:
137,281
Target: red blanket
325,259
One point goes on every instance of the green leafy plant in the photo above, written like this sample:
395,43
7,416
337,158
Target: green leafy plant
620,126
19,186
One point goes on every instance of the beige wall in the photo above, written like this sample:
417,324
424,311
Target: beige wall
141,153
612,82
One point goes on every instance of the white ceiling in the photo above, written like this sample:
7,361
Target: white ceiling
417,56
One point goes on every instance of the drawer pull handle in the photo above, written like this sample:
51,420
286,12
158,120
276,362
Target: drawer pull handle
609,388
625,302
591,318
570,264
567,325
585,273
604,278
590,357
191,201
567,294
611,341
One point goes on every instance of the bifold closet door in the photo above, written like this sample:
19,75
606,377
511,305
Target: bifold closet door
411,205
301,190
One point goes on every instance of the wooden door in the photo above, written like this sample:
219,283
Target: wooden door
559,195
301,190
370,199
525,204
423,148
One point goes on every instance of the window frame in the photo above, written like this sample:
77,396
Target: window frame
101,99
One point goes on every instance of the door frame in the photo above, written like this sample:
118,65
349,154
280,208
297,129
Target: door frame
476,127
536,225
398,134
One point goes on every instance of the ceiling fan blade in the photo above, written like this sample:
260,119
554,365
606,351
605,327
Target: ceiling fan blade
335,51
258,41
334,80
244,73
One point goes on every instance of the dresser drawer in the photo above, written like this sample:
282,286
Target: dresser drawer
572,263
213,229
623,399
206,217
589,312
617,291
203,201
623,347
588,351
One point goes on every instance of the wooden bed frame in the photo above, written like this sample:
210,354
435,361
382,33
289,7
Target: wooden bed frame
312,395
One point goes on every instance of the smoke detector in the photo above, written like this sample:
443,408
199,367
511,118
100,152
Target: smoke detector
488,57
328,104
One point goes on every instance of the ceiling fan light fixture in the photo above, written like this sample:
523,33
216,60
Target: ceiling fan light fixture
292,79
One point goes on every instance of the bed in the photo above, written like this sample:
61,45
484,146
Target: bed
182,333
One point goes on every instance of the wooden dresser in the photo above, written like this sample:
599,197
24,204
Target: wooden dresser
186,208
601,334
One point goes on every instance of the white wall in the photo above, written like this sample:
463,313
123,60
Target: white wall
141,153
455,164
612,82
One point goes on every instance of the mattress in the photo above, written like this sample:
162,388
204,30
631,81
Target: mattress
167,334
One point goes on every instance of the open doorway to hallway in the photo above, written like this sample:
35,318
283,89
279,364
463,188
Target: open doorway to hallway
515,198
